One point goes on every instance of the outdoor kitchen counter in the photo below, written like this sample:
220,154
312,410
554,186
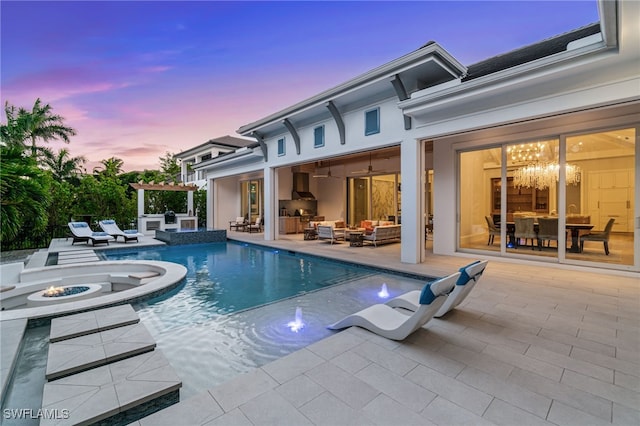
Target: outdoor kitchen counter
289,225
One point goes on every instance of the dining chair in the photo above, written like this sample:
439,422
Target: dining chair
547,231
524,230
599,236
493,229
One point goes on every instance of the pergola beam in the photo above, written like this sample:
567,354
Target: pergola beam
164,187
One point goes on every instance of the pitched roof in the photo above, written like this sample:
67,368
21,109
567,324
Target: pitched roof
227,141
529,53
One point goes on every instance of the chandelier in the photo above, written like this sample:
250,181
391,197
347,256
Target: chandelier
539,174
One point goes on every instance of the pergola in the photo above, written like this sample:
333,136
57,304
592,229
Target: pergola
151,186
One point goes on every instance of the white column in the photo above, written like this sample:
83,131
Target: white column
412,175
211,188
141,225
183,171
140,202
190,202
270,203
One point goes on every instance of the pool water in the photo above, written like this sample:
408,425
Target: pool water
228,277
232,312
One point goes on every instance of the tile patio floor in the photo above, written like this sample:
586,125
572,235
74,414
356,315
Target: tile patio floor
531,345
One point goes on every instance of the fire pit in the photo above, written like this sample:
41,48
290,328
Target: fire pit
63,294
64,291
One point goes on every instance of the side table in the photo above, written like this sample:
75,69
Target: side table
356,238
310,234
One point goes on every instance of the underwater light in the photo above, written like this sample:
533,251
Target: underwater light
297,324
383,293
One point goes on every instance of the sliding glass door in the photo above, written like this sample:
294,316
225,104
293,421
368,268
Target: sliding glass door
603,211
373,198
569,199
251,199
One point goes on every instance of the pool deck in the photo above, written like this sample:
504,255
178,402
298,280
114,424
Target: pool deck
532,344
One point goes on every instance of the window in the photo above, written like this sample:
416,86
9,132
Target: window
318,137
281,147
372,122
206,157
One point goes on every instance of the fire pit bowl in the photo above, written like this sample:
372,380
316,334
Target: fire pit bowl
63,294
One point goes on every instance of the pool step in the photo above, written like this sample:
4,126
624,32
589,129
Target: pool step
92,350
110,390
76,325
11,334
77,256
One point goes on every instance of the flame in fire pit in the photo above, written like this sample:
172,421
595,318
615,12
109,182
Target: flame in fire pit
53,291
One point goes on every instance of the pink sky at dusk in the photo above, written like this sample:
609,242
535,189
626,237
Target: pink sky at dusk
139,79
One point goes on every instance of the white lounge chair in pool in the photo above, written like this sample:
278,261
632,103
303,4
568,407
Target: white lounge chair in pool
82,233
111,227
469,277
393,324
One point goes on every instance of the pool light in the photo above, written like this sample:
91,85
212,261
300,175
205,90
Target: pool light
297,324
383,293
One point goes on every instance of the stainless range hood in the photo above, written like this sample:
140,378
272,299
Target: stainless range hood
301,187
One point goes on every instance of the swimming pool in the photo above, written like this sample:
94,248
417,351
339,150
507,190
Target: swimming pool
231,314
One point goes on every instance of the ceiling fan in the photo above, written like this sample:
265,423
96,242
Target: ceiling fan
326,175
369,170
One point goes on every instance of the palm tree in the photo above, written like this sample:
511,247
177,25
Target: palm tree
63,167
38,124
111,167
23,194
10,132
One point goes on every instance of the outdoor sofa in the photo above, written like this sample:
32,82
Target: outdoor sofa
383,234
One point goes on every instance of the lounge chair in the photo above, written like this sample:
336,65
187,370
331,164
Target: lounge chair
238,224
257,226
469,277
82,233
111,227
393,324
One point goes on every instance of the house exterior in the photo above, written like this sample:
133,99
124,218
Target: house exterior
546,131
205,152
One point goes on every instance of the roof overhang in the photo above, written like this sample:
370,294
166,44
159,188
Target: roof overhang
516,92
241,155
425,67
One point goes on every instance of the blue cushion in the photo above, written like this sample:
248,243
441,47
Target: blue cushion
427,296
130,231
109,222
99,234
79,224
464,277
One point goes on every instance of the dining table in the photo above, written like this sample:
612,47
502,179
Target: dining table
574,228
